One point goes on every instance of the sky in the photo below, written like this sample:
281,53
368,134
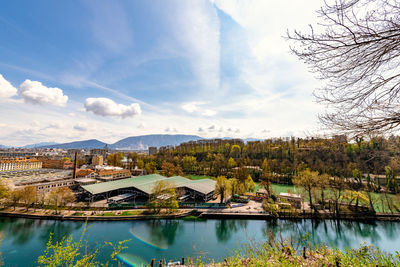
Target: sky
76,70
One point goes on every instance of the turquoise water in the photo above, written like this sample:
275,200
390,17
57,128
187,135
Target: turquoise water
24,239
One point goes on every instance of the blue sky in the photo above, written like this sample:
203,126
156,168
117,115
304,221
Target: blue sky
73,70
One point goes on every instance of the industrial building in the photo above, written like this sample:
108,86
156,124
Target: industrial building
19,164
142,186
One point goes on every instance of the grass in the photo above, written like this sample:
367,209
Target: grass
131,213
193,218
302,253
282,188
198,177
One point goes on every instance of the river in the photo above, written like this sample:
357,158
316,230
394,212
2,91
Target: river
25,239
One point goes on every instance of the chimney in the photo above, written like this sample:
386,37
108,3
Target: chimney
75,163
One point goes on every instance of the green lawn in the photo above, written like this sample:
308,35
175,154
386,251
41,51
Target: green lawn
198,177
281,188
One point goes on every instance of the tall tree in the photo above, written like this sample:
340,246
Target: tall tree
222,188
355,50
308,180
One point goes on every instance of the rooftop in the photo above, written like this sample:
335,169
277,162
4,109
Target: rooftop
146,183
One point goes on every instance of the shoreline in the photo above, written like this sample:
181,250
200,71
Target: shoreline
208,215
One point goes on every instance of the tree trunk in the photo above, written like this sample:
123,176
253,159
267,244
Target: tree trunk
309,194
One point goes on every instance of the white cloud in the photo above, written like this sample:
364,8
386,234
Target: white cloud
194,107
6,88
191,106
211,128
81,127
35,92
196,27
106,107
209,112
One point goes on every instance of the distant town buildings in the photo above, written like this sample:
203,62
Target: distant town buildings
56,163
11,164
17,154
97,160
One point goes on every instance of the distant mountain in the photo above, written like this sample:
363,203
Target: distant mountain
156,140
1,146
92,143
41,144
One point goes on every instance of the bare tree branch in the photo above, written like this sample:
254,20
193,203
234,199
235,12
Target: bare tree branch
357,56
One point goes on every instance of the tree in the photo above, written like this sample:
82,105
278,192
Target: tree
163,195
115,159
61,196
222,188
231,163
356,53
140,164
15,196
391,182
4,189
308,180
150,167
66,159
28,195
250,184
168,169
68,252
189,163
68,197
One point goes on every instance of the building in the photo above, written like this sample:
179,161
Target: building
293,199
45,187
111,175
19,164
142,186
97,160
56,163
17,154
99,152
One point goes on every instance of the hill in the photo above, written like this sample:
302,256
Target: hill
92,143
156,140
41,144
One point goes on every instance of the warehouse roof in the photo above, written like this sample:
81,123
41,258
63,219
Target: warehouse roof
146,183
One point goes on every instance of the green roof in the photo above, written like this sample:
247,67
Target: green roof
146,183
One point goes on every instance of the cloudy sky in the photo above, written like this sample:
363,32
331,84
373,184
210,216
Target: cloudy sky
74,70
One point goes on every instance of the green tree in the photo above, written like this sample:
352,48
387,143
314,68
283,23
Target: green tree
68,252
140,164
222,187
150,167
189,163
28,195
115,159
163,195
61,196
66,159
15,196
308,180
231,163
250,184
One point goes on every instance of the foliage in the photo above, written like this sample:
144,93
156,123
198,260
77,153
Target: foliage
61,196
115,159
163,196
287,252
354,50
308,180
68,252
222,188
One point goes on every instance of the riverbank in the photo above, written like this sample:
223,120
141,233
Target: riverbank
95,216
124,215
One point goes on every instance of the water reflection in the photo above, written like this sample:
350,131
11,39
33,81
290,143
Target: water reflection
225,228
173,239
